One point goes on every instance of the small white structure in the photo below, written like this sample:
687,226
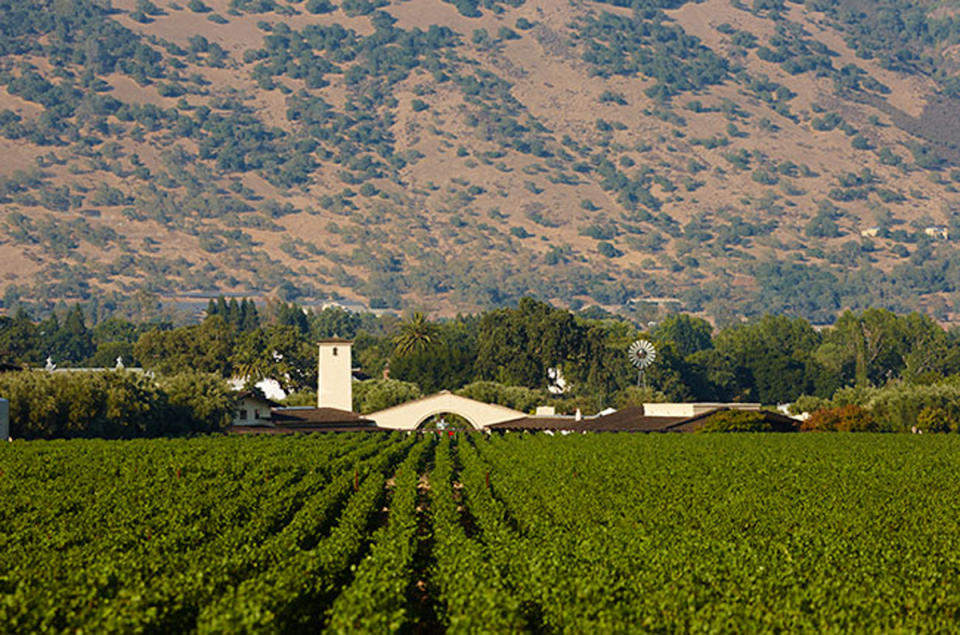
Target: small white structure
253,410
870,232
334,379
270,388
937,231
4,419
691,409
557,383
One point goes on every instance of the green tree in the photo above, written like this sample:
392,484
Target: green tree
602,367
517,346
690,334
736,421
772,359
447,365
516,397
205,347
20,339
74,342
376,394
334,322
198,402
250,358
870,347
416,335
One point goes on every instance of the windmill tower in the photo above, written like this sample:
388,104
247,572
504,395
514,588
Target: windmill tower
642,354
334,380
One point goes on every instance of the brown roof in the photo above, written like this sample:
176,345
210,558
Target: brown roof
333,427
777,421
252,394
317,416
537,423
301,420
631,419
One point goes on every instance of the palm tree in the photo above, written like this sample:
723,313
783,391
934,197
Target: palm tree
416,335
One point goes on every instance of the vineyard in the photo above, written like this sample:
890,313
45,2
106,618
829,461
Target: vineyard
390,532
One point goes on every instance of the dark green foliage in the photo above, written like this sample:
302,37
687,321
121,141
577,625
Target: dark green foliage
517,346
377,394
242,315
320,6
796,289
447,364
608,250
113,404
736,421
471,8
612,97
647,44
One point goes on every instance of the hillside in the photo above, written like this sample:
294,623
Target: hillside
796,158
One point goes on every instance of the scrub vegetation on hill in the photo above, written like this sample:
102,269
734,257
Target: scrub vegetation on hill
799,158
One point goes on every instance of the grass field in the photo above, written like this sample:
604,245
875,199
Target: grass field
378,532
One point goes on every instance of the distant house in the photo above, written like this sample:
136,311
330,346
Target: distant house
301,420
257,415
253,410
870,232
939,232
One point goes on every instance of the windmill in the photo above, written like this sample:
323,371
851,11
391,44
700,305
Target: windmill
642,354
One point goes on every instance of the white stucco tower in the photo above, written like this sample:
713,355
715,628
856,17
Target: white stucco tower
334,380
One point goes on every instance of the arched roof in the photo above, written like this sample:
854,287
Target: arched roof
410,415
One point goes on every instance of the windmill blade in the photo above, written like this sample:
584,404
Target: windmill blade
642,353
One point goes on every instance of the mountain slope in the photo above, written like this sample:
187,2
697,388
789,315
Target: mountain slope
710,156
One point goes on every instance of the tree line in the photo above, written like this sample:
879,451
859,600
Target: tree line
510,355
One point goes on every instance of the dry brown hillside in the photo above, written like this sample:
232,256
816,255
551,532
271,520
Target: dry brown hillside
717,157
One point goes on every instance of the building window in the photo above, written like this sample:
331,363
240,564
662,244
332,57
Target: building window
242,415
334,351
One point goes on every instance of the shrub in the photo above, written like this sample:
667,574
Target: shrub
516,397
808,403
736,421
376,394
319,6
900,405
608,250
113,404
849,418
937,419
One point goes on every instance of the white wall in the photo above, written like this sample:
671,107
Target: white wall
691,409
258,412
